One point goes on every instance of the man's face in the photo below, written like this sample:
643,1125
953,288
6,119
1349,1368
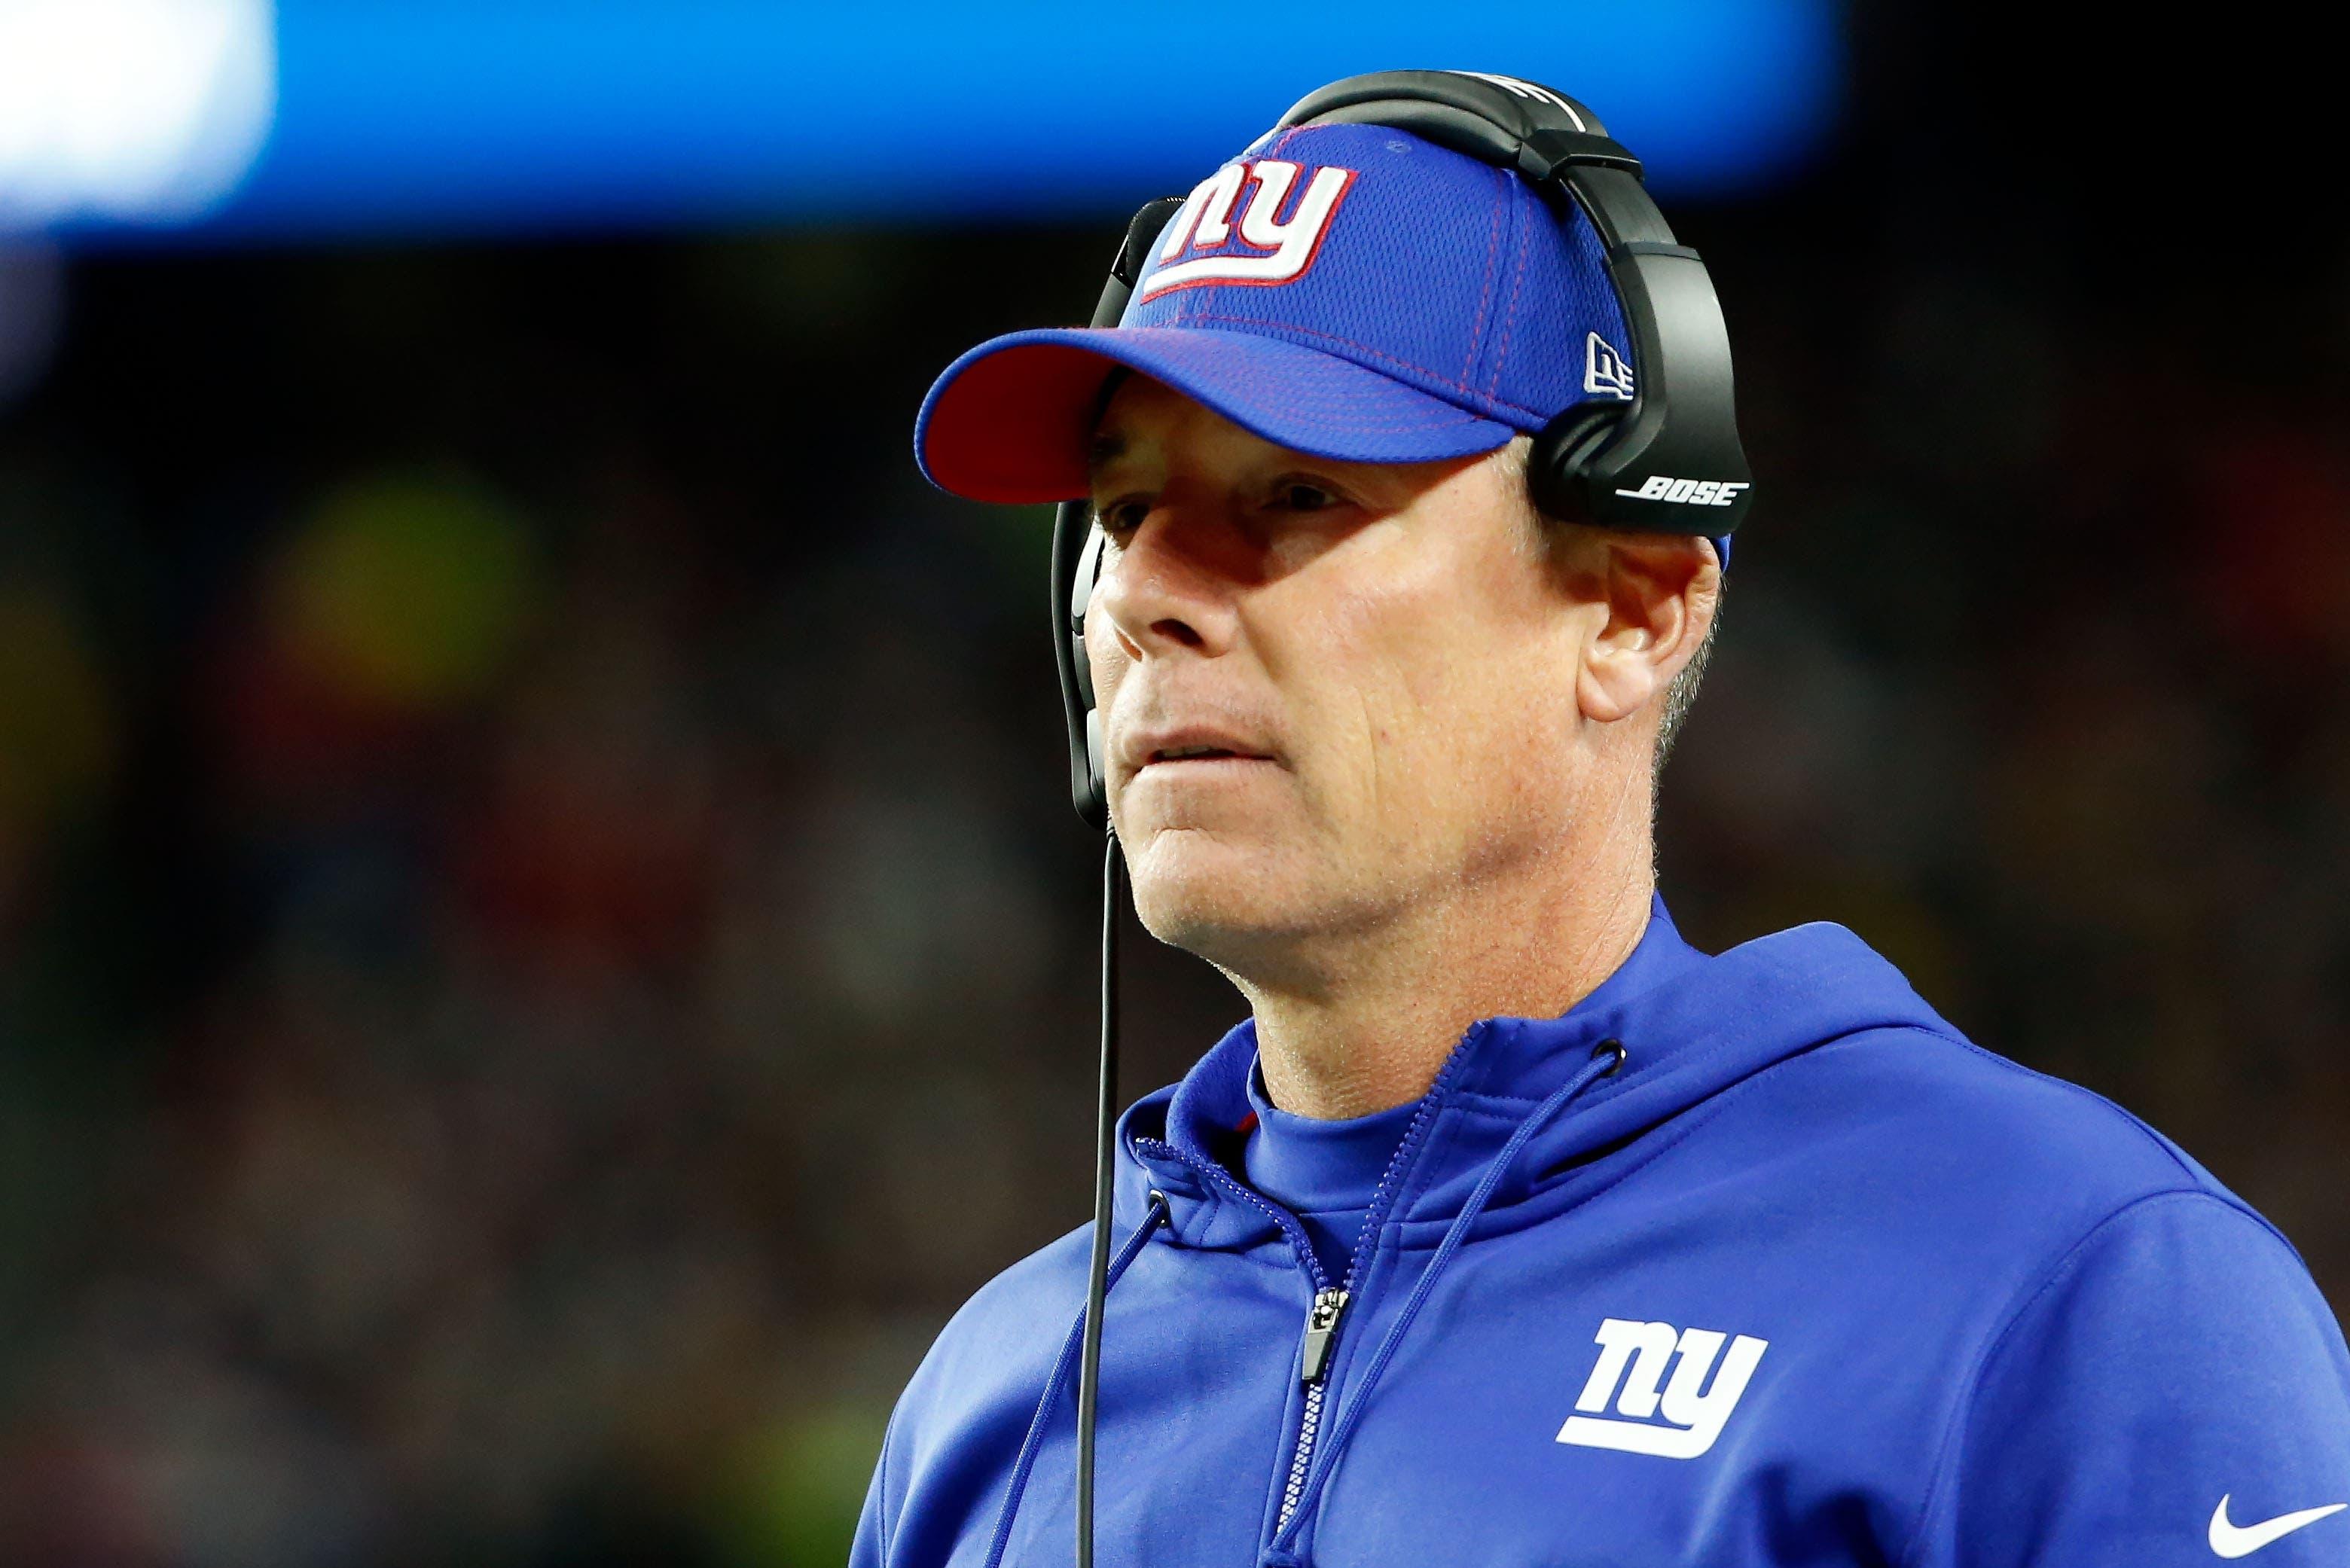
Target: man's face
1333,693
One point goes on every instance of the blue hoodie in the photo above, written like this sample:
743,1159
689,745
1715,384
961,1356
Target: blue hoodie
1807,1278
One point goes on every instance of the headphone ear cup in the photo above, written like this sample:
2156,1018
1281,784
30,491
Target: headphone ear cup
1088,754
1562,453
1077,564
1081,598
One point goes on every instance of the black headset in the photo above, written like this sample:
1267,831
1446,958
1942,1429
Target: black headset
1622,465
1636,465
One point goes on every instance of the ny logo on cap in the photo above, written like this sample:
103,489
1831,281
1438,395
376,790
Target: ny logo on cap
1270,249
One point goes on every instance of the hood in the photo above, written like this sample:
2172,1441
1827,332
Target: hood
1713,1022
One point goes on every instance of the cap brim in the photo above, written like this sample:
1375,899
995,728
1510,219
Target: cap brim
1010,420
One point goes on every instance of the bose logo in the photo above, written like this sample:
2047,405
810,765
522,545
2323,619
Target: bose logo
1696,1412
1690,492
1204,223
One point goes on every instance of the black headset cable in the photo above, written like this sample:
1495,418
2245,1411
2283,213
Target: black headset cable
1105,1171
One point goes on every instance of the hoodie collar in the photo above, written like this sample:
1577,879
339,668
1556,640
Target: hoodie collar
1318,1166
1691,1025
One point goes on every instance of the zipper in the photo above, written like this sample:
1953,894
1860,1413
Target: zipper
1329,1305
1312,1364
1320,1327
1322,1314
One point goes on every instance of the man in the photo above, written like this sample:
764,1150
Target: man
1510,1228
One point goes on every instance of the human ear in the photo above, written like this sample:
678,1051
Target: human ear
1656,593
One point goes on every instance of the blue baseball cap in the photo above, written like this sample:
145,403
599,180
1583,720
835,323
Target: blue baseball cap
1346,291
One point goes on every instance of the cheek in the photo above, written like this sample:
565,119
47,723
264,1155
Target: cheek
1103,657
1389,700
1429,715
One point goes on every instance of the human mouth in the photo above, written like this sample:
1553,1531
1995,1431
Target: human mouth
1193,748
1199,754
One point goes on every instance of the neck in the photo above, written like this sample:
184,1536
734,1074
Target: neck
1389,1008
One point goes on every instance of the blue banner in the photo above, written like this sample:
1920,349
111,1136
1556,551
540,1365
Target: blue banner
332,117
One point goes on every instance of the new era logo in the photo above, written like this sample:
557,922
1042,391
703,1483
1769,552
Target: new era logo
1265,246
1633,1356
1604,370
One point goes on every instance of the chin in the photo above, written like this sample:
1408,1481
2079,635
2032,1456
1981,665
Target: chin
1236,901
1191,884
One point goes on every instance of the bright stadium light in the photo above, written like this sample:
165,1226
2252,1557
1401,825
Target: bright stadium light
138,110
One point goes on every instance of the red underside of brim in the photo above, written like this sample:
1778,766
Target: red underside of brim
1013,426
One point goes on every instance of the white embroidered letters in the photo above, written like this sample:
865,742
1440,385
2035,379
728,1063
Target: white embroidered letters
1278,250
1697,1413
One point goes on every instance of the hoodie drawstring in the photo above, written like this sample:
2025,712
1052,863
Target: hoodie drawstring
1604,1060
1059,1379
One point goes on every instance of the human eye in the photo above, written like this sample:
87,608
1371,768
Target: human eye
1304,493
1119,519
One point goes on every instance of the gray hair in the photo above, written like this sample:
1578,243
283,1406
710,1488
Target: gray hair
1683,690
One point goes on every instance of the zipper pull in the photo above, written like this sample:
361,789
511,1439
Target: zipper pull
1321,1328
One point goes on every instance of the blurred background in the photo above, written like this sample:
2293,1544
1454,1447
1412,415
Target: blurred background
543,947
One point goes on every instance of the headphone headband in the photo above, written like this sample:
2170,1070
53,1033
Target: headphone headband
1481,116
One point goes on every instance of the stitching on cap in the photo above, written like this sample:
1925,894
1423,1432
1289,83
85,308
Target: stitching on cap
1510,315
1370,352
1341,422
1485,293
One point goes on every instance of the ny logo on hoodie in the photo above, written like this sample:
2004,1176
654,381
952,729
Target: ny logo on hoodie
1696,1413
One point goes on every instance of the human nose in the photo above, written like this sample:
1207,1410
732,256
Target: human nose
1166,589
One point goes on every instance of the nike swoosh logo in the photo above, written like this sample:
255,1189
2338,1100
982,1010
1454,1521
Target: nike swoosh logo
2243,1540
